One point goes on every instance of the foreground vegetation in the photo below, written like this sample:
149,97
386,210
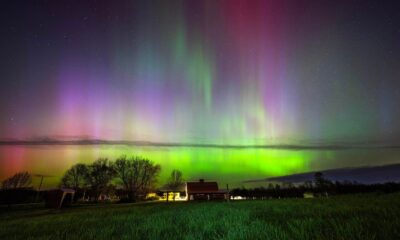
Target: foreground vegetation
364,216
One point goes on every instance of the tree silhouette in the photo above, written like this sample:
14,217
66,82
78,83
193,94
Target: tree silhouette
99,175
321,183
137,175
75,177
19,180
319,180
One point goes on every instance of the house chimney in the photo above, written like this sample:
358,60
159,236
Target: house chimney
201,180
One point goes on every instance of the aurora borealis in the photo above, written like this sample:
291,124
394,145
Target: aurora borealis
202,72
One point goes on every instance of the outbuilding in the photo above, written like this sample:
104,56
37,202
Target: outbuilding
58,198
202,190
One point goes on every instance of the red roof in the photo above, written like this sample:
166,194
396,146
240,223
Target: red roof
202,187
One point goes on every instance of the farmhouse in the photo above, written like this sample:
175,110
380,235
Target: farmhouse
202,190
178,194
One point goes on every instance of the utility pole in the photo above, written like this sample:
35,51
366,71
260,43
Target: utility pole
227,193
42,176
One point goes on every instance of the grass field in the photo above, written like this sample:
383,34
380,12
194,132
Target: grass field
369,216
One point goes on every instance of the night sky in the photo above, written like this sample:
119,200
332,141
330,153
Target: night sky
220,72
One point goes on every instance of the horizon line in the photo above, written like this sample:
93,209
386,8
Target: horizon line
198,145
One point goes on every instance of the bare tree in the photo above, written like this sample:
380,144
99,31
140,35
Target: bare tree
322,184
99,175
175,181
75,177
137,174
123,170
19,180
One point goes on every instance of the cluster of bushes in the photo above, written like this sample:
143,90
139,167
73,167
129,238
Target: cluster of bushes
20,195
319,187
266,193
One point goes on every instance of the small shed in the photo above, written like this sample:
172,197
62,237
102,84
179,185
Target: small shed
58,198
202,190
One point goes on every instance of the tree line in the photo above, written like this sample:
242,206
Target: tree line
128,179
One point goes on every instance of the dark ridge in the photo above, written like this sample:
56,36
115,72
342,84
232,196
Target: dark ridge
367,174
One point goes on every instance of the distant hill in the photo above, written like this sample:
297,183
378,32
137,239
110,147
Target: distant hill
368,174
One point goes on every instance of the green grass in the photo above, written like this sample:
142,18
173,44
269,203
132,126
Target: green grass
368,216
